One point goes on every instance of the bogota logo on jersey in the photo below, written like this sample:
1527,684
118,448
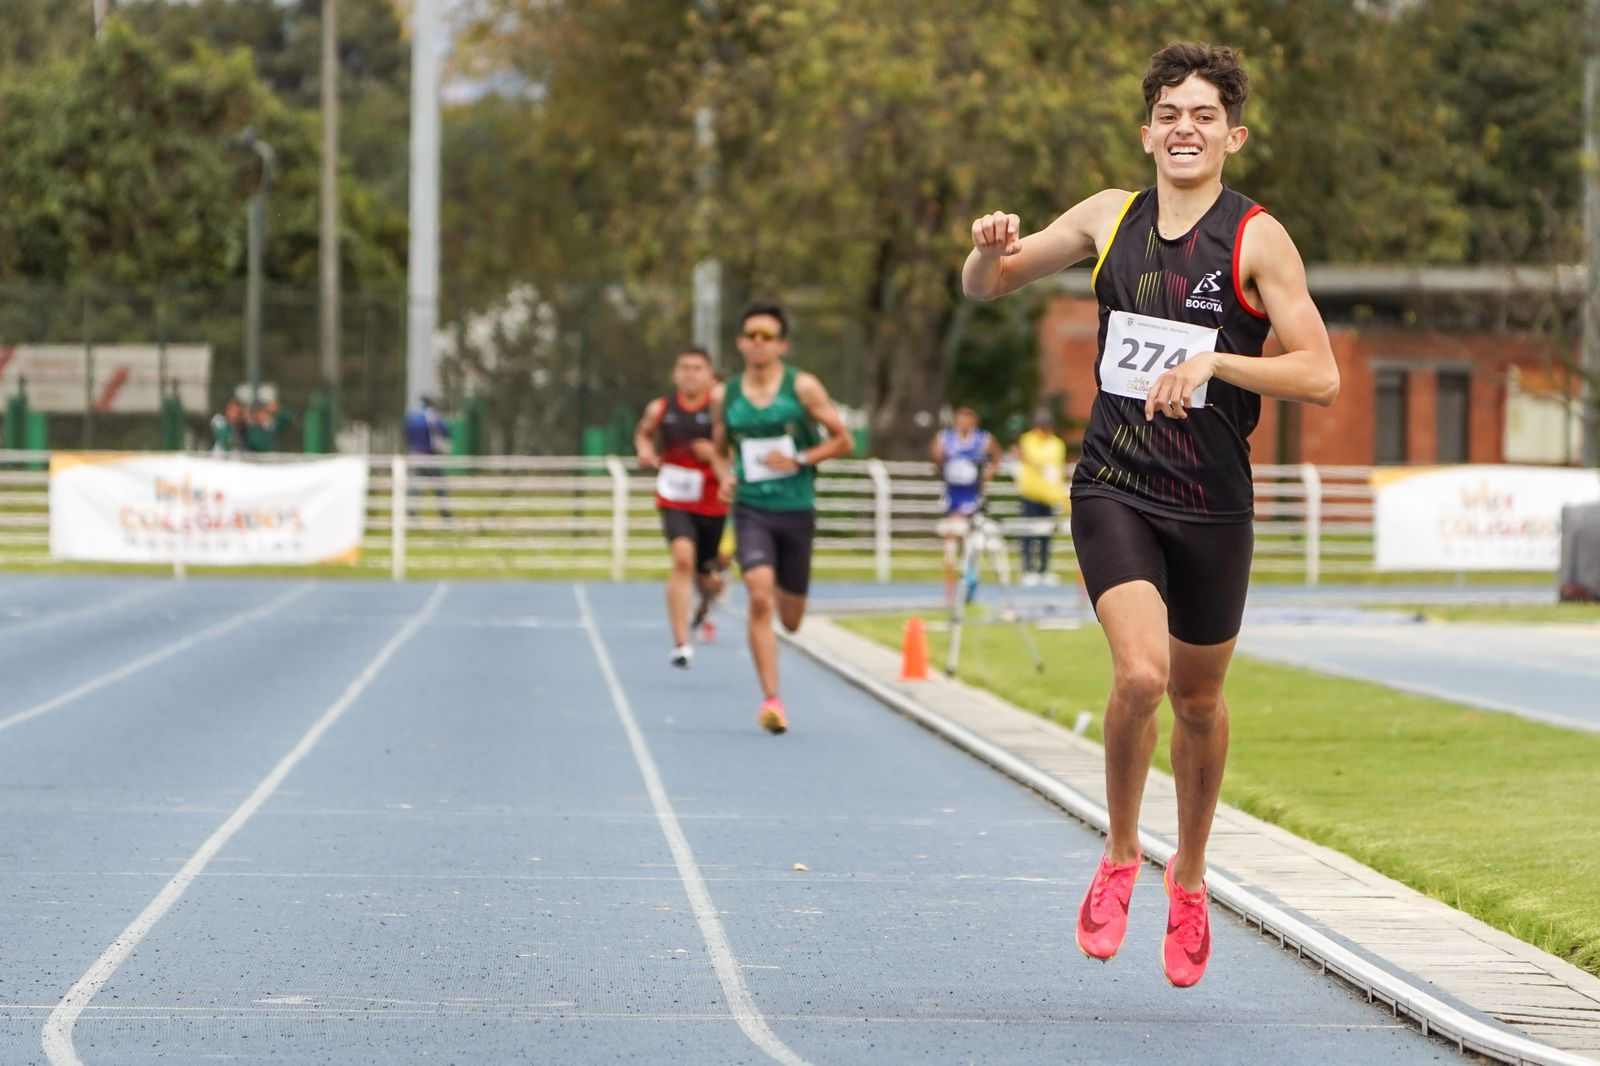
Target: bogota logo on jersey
1201,297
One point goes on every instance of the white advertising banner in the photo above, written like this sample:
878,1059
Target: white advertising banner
1474,517
172,508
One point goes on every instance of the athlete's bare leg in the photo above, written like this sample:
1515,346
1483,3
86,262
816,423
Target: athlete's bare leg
1134,619
763,596
680,589
709,582
791,610
1199,749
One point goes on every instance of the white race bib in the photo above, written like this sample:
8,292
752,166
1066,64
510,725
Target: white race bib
680,484
754,451
1140,349
961,472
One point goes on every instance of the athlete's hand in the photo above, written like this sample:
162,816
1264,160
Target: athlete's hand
997,234
780,462
704,450
649,460
1172,391
725,489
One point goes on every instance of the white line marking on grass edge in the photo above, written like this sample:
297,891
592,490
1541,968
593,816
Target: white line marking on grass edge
734,990
129,669
57,1037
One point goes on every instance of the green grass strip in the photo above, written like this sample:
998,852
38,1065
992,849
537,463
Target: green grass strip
1490,813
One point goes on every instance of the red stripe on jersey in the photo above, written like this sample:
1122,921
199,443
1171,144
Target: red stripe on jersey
1238,243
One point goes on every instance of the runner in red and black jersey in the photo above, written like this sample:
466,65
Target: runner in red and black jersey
692,515
1190,275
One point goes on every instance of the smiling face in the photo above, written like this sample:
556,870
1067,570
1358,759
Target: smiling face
1189,136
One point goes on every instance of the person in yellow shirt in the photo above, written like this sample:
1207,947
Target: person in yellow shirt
1042,463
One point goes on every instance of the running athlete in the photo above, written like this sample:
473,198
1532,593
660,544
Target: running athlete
1189,275
692,514
768,418
967,457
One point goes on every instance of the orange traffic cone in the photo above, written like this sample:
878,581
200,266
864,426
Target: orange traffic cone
914,652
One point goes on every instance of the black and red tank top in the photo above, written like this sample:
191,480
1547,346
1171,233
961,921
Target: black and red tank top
679,428
1197,469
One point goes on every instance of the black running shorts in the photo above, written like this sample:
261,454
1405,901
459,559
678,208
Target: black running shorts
704,529
779,539
1202,571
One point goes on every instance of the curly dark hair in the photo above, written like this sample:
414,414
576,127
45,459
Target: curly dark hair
1216,64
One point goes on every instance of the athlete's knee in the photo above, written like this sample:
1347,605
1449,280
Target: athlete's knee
1140,684
792,617
1198,710
762,602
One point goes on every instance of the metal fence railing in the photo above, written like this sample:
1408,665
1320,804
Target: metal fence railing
595,517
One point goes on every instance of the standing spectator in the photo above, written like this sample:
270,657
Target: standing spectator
227,429
427,433
1042,461
266,424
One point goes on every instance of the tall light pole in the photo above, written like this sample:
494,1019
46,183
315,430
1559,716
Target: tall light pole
708,270
422,275
328,249
256,243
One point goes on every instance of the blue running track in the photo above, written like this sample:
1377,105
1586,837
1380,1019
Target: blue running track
293,822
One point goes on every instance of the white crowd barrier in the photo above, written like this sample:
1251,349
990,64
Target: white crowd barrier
595,517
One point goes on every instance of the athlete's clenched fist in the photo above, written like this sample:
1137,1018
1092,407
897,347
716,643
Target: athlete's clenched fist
997,234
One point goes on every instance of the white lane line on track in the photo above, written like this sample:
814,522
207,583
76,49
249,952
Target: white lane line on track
734,990
57,1037
33,625
129,669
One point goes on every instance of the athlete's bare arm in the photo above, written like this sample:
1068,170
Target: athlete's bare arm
936,449
1274,281
995,457
644,435
819,405
721,467
1003,261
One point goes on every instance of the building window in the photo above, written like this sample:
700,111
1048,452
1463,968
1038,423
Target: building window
1455,407
1391,412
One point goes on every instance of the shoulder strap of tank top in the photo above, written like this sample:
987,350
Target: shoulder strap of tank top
1115,228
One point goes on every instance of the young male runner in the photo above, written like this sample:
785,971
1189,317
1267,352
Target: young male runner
768,443
692,513
967,456
1189,276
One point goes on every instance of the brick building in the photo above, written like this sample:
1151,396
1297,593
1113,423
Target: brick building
1437,366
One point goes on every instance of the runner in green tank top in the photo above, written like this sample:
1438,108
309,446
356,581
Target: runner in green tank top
768,424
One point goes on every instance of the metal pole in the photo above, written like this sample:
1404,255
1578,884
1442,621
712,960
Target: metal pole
708,271
329,244
256,249
252,295
1589,386
422,281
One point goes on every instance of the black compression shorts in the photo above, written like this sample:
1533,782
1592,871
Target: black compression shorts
779,539
704,529
1202,571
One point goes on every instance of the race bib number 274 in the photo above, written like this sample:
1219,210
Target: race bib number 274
1140,348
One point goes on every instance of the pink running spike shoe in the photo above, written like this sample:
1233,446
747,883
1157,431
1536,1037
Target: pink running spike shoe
1103,918
772,718
1187,946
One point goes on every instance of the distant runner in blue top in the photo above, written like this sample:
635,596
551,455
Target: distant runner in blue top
967,456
